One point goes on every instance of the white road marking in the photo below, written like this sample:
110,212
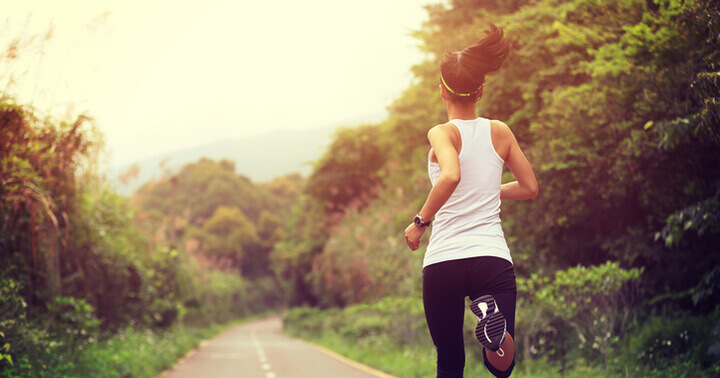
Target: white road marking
261,356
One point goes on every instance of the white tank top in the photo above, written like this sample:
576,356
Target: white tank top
468,224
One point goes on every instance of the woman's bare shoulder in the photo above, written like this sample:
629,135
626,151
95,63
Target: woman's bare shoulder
500,130
496,124
447,127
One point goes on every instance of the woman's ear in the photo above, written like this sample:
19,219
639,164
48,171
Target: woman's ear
480,93
443,91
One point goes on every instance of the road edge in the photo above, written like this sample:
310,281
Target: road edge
345,360
203,342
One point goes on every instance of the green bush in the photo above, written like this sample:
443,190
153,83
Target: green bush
537,335
135,353
306,321
25,349
598,302
219,297
73,346
398,318
73,322
663,343
262,294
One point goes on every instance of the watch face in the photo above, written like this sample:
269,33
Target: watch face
418,221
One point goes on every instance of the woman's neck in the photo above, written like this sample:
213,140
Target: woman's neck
457,110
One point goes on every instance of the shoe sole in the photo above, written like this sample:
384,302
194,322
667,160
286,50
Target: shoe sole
491,327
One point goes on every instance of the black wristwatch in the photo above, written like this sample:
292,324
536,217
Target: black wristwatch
420,223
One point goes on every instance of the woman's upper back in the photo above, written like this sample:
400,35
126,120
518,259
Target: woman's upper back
501,137
468,224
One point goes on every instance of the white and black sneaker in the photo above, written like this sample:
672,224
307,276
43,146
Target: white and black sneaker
492,325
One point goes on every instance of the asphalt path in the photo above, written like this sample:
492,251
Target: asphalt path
260,350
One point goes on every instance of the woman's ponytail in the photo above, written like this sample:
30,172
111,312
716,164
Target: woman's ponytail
463,72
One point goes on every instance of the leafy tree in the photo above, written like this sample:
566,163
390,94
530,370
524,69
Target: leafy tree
201,188
346,177
223,211
287,189
348,173
303,236
228,233
257,260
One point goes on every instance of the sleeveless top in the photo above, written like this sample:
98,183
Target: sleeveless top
468,224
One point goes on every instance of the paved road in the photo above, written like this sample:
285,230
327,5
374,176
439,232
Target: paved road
260,350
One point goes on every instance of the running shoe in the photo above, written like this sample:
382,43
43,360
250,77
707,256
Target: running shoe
491,327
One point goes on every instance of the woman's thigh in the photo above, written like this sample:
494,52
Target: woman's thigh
495,276
444,302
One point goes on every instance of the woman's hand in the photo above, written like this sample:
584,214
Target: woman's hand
413,234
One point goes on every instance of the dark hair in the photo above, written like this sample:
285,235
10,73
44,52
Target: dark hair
464,71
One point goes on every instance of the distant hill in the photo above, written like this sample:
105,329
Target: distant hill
261,158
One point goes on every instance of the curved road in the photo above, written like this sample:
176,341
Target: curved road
260,350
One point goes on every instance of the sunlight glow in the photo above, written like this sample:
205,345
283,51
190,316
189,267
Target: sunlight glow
162,75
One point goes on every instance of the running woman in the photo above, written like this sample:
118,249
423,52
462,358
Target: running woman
467,254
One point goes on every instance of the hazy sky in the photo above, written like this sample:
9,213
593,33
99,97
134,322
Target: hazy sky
162,75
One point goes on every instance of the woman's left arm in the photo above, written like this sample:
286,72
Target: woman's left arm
440,138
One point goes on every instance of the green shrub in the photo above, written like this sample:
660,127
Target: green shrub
134,353
262,294
597,302
662,344
73,322
399,319
219,297
306,321
25,349
537,335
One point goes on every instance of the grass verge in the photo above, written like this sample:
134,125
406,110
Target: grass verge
142,353
407,361
376,335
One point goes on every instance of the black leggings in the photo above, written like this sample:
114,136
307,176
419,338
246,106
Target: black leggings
445,286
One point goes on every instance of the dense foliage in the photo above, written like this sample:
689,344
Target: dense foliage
80,263
616,104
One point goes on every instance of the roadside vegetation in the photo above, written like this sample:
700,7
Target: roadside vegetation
95,284
91,285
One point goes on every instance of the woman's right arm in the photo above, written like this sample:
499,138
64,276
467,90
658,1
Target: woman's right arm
526,186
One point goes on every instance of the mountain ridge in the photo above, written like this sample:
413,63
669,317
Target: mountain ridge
261,157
